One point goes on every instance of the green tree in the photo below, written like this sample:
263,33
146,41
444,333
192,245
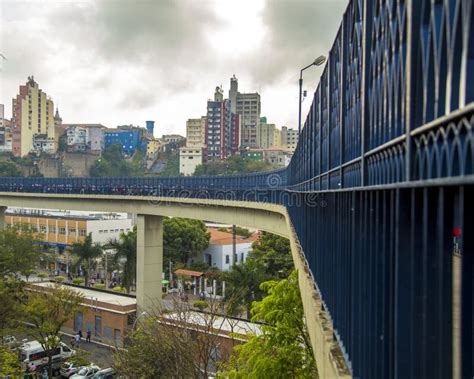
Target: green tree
112,163
172,166
87,254
156,350
18,251
183,239
48,312
274,254
19,255
270,258
283,349
126,249
232,165
12,295
8,169
243,286
9,365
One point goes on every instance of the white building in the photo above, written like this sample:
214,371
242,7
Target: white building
220,251
42,143
85,137
189,159
5,132
196,132
76,138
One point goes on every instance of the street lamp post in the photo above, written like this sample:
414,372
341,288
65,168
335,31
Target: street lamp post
136,320
317,62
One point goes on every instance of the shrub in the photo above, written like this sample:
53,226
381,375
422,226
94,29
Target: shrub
119,289
100,285
78,281
200,304
59,279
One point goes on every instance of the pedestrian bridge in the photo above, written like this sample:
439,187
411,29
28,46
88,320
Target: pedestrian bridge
376,201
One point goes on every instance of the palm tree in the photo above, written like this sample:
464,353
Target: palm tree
243,286
126,249
87,253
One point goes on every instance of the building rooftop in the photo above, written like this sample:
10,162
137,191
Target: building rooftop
92,295
48,215
225,238
223,324
27,212
85,125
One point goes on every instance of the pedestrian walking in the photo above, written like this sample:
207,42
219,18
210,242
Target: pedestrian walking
73,341
78,340
88,338
80,334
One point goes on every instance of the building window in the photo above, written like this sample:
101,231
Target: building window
82,232
52,229
241,257
98,326
62,230
227,259
43,228
72,231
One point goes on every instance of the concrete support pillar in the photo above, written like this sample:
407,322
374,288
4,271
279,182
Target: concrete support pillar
149,262
2,217
223,289
195,286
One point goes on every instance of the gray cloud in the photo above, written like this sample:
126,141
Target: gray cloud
299,30
124,61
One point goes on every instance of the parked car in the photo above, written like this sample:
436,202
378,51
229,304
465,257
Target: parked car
67,369
106,373
86,372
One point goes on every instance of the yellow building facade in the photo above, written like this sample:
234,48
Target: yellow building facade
32,118
152,147
269,136
53,230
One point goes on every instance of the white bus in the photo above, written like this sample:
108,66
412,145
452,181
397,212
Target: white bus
32,354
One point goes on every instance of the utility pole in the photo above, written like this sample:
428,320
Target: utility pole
171,275
106,272
234,245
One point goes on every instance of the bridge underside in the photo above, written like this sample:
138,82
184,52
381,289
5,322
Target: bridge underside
150,210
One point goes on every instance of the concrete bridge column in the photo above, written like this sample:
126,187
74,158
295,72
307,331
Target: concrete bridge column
2,217
149,262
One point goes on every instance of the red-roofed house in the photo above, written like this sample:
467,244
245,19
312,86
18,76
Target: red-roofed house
219,252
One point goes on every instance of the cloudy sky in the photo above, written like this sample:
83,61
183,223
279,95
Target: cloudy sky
127,61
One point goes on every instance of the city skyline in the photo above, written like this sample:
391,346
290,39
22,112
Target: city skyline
97,61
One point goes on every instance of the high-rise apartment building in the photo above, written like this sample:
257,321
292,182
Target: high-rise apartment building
268,135
248,107
221,128
289,138
5,132
196,132
33,124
